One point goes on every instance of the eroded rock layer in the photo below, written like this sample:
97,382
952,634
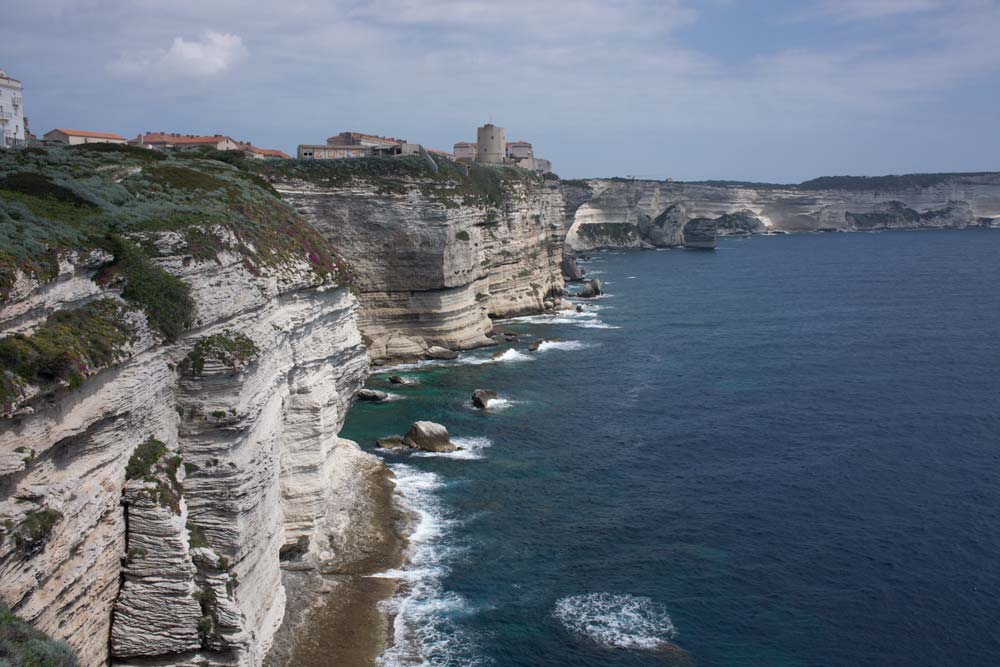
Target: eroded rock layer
623,213
433,264
254,441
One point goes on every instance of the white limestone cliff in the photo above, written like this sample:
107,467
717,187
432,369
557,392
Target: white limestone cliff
136,571
432,270
617,212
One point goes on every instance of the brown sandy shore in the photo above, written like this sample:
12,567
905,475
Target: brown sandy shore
332,615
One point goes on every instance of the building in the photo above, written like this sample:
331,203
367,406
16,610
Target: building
176,141
12,130
465,151
519,150
356,144
491,147
491,144
77,137
258,153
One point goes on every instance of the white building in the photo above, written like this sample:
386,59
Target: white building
12,132
76,137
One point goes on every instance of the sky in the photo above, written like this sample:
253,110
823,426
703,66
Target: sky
778,90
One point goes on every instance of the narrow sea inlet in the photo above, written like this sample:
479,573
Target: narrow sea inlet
783,452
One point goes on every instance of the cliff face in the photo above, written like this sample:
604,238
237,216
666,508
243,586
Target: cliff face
153,472
616,210
435,256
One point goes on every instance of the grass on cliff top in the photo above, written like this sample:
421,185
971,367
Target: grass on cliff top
56,199
21,645
485,185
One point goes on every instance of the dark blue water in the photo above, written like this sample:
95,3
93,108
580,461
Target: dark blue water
788,448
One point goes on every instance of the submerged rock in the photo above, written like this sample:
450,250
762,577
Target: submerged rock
391,442
570,269
482,397
429,436
591,289
538,343
404,381
372,396
441,353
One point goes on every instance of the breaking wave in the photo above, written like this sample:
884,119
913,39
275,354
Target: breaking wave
616,620
424,631
471,449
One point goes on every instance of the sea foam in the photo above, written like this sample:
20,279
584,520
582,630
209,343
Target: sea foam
617,620
425,632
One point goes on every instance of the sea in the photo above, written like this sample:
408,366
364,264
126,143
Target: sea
783,452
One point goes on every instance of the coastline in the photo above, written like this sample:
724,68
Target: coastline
335,613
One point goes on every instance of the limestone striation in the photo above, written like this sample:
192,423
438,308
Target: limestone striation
434,256
637,213
157,455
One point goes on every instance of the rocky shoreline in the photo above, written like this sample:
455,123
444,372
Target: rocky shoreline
334,613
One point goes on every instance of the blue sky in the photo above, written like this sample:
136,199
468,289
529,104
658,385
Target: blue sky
775,91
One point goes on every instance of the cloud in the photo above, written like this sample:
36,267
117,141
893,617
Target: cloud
214,54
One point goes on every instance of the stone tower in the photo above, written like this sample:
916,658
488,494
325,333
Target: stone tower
491,144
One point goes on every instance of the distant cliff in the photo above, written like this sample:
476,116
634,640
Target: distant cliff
433,255
623,212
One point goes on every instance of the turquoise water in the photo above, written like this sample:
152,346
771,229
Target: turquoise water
783,452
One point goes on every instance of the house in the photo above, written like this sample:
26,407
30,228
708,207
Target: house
465,150
258,153
355,144
519,150
176,141
76,137
12,129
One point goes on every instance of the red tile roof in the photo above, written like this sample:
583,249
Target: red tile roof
518,143
87,133
465,143
168,138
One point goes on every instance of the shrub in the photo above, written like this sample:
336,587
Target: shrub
21,645
67,347
35,529
227,348
164,298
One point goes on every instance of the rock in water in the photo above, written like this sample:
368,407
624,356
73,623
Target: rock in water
591,289
391,442
700,233
372,395
666,229
429,436
441,353
570,270
482,397
538,343
406,382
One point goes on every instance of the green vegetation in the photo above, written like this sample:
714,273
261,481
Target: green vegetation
229,349
164,298
149,463
576,183
121,200
57,199
21,645
609,232
196,536
484,185
904,182
33,532
463,236
69,346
